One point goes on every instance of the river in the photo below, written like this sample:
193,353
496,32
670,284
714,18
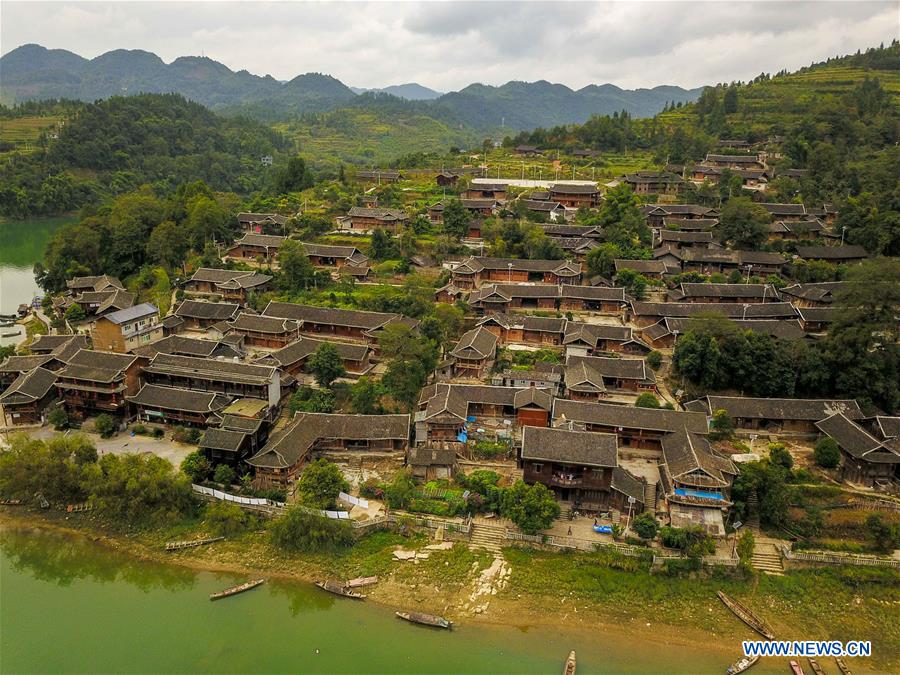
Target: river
22,244
69,605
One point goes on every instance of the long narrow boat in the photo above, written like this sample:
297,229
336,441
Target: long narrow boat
748,617
426,619
746,663
842,666
234,590
569,668
816,668
338,589
795,668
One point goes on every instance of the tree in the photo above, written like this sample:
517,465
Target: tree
105,425
227,519
400,490
297,271
307,399
646,400
601,260
645,525
384,246
720,427
365,397
294,177
532,507
168,244
299,531
326,365
75,314
780,456
827,454
207,220
58,418
224,474
654,360
745,546
730,100
196,467
742,223
411,358
320,483
456,219
634,283
885,536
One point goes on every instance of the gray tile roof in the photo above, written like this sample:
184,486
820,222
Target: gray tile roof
783,408
582,448
607,414
29,387
184,400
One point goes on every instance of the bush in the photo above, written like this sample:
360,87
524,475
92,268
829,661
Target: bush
187,435
224,474
400,490
779,455
371,487
196,467
486,449
158,433
827,453
320,484
645,526
139,429
745,546
646,400
58,418
227,519
105,425
654,360
692,540
885,536
720,427
298,530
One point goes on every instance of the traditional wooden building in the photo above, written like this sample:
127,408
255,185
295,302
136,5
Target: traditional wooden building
543,331
635,427
589,339
789,230
598,299
812,295
186,346
127,329
486,190
261,223
231,285
708,261
786,212
554,212
292,359
476,271
265,331
230,378
510,297
734,162
281,460
428,463
26,400
96,382
652,269
366,219
658,215
575,196
474,354
866,459
776,415
664,333
171,405
378,177
341,324
644,314
234,440
817,319
200,315
323,255
547,376
591,378
255,247
653,182
685,239
833,254
722,293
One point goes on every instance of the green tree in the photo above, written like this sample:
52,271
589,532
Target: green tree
105,425
207,220
168,244
74,313
384,246
645,525
411,358
196,467
885,536
320,483
326,365
720,426
297,271
827,454
601,260
779,455
294,177
299,531
400,490
654,360
745,546
307,399
646,400
365,397
456,219
532,507
742,223
58,418
224,474
227,519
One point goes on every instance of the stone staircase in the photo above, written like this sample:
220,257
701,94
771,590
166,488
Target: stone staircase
650,497
488,537
766,558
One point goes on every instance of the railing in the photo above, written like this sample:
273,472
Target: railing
838,558
575,543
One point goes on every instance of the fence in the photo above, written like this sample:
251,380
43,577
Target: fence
579,544
835,558
267,506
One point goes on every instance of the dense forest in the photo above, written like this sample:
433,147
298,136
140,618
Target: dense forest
109,147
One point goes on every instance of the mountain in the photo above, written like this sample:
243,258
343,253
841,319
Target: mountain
412,91
33,72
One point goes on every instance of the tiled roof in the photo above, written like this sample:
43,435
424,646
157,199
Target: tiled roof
569,447
783,408
607,414
184,400
29,387
208,311
476,343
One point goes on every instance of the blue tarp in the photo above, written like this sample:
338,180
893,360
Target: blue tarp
470,418
603,529
463,437
697,493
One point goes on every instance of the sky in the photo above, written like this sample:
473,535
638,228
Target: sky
447,45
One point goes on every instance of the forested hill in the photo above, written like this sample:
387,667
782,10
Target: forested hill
32,72
121,143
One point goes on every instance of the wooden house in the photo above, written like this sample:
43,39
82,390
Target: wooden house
474,353
599,299
127,329
26,400
475,271
232,285
652,269
786,212
261,223
653,182
378,177
366,219
431,463
734,162
776,415
187,346
323,255
526,150
737,293
292,358
509,297
588,339
685,239
538,331
794,230
172,405
235,439
547,376
96,382
866,459
817,319
486,190
812,295
708,261
834,254
591,378
256,247
575,196
280,462
200,315
658,214
648,313
265,331
554,212
664,333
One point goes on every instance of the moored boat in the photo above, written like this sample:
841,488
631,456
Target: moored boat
338,589
748,617
842,666
741,665
816,668
234,590
425,619
795,668
569,668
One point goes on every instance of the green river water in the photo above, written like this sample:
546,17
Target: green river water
22,244
68,605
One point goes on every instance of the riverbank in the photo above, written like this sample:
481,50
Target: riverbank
576,591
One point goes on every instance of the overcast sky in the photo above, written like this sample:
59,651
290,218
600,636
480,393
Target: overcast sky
447,45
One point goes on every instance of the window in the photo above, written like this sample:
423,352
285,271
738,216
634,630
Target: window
537,468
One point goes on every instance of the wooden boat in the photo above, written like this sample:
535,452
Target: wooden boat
816,668
426,619
361,581
795,668
746,663
748,617
842,666
569,668
337,589
234,590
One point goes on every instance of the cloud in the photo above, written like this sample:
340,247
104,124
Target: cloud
447,45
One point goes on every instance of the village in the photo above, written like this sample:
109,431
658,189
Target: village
554,375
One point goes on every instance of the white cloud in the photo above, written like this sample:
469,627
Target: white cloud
447,45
